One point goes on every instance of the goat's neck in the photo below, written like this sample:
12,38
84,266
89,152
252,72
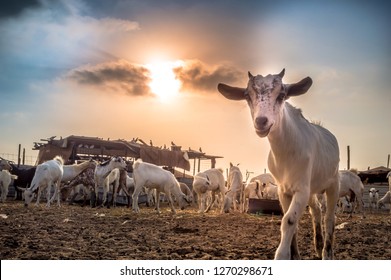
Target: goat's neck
288,137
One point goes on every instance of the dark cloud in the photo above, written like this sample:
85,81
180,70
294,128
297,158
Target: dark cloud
133,79
16,7
119,76
196,76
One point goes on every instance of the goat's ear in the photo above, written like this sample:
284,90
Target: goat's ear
298,88
233,93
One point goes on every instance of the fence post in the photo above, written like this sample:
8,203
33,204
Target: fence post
20,146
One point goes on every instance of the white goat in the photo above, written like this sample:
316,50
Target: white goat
155,177
373,198
252,190
211,180
268,185
5,181
47,174
264,178
386,199
269,190
235,188
350,185
101,174
304,158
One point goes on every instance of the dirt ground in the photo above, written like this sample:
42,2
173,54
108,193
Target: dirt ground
84,233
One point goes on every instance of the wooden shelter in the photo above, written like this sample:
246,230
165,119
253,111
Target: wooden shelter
74,148
375,175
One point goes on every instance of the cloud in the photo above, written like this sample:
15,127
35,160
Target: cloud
134,79
119,76
197,76
15,8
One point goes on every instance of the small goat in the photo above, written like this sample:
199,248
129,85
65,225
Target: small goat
350,185
269,190
373,198
235,188
252,190
211,180
304,158
154,177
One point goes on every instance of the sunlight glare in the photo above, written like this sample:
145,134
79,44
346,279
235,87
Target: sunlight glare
163,81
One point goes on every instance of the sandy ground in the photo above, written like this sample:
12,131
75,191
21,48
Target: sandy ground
81,233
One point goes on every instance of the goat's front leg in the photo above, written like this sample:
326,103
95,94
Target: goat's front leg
292,213
38,196
201,202
169,197
104,197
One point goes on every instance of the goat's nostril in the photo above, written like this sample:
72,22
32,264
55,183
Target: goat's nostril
260,122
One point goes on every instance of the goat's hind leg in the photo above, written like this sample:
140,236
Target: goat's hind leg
316,214
331,200
211,202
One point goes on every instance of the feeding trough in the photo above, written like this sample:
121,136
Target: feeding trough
264,206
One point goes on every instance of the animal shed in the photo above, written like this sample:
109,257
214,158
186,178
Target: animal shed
74,148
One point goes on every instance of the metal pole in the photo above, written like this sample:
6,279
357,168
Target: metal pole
348,157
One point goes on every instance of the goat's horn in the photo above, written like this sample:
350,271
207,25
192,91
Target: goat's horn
282,73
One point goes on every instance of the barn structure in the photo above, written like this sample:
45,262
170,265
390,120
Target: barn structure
374,175
74,148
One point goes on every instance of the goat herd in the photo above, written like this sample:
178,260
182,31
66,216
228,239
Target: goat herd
303,160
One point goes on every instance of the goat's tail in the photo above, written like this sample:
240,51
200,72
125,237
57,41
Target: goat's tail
137,163
59,159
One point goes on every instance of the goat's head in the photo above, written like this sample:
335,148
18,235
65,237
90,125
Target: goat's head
4,165
265,97
29,194
119,162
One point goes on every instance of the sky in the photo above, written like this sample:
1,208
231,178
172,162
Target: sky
149,69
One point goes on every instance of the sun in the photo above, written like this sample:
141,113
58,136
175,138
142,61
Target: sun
163,81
